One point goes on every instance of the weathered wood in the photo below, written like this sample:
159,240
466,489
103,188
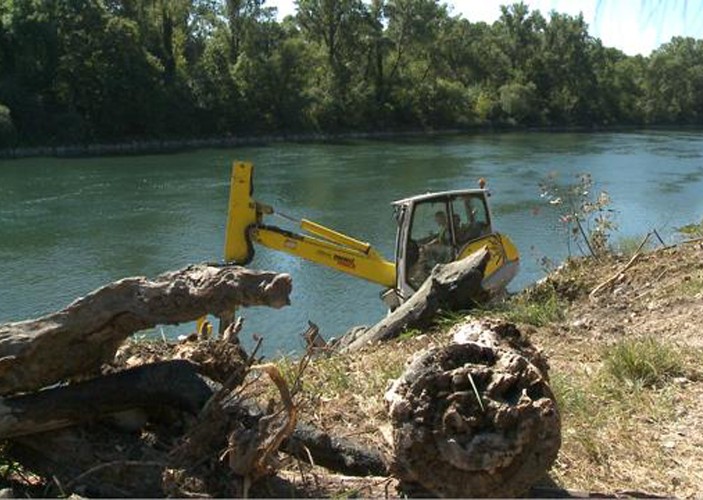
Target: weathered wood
79,338
171,383
100,460
93,461
453,286
303,484
313,340
338,454
232,427
475,418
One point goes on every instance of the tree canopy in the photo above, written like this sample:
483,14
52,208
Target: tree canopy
82,71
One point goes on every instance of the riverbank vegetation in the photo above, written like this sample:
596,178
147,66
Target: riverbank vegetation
625,366
88,71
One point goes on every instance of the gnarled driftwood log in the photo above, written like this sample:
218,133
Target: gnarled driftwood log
79,338
450,287
475,418
170,383
310,444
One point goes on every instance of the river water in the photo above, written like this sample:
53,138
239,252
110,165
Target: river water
68,226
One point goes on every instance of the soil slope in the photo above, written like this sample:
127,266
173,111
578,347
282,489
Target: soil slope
621,435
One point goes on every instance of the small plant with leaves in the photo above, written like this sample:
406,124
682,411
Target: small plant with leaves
586,215
630,245
691,230
537,306
643,362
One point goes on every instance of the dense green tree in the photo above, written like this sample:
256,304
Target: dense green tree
7,128
109,70
275,88
519,101
29,62
674,83
335,26
214,90
520,37
416,89
566,78
105,84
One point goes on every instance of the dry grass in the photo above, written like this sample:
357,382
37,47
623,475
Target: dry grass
343,394
612,437
626,367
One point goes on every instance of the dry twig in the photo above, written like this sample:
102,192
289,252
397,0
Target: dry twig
610,281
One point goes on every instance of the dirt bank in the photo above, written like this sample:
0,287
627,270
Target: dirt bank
626,365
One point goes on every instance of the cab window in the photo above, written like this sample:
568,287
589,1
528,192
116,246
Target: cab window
470,218
430,240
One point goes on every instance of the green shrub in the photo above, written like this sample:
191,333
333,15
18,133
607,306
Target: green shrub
628,245
691,230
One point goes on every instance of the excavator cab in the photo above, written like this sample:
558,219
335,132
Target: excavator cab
432,229
443,227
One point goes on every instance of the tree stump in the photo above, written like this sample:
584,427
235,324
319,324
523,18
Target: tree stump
475,418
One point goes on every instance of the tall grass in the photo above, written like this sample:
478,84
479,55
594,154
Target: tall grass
689,286
645,362
537,306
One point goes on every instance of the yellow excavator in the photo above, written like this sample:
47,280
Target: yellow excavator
432,228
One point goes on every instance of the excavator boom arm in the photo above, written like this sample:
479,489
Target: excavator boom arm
242,215
369,266
324,245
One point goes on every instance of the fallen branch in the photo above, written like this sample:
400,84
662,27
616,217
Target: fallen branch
175,384
684,242
251,451
610,281
79,338
338,485
310,444
453,286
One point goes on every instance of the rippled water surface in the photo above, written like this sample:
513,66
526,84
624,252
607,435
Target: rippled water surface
68,226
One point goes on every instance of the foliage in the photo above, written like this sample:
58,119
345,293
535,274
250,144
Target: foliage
518,101
7,128
643,362
76,71
585,215
628,245
689,286
537,306
408,334
691,230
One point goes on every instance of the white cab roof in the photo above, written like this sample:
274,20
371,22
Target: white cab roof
442,194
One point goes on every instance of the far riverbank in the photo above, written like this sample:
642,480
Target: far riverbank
166,146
